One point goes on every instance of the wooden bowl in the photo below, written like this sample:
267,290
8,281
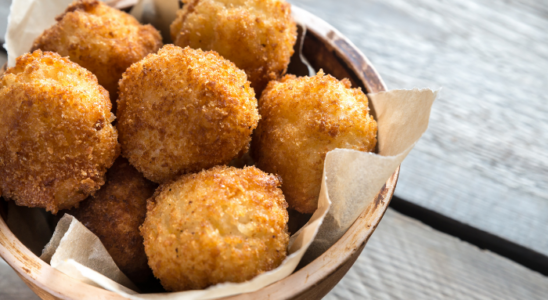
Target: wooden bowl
325,48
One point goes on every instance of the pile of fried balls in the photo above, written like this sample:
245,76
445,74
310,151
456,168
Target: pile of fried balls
134,138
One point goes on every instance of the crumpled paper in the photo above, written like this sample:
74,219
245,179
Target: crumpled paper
62,254
351,178
76,251
27,20
354,178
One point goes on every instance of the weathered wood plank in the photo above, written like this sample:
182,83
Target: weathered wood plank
4,12
406,259
484,159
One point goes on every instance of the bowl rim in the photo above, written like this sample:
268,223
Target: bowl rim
47,281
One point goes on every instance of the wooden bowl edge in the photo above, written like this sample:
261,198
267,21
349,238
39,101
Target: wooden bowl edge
329,265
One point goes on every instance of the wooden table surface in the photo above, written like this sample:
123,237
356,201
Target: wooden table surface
483,162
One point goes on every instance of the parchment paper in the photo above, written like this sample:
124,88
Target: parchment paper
62,254
76,251
27,20
351,178
354,178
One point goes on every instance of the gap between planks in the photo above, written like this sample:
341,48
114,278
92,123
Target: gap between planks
405,259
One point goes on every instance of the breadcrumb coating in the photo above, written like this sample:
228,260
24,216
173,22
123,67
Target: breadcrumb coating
115,213
102,39
184,110
220,225
257,35
303,119
56,136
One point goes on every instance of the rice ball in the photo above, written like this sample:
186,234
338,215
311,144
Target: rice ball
220,225
56,136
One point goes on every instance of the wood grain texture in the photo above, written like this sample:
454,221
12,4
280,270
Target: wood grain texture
11,286
484,159
4,12
405,259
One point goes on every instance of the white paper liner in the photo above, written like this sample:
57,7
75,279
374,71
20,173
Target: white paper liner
77,252
27,20
354,178
351,178
73,241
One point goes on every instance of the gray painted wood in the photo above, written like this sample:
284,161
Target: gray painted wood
484,159
406,259
4,12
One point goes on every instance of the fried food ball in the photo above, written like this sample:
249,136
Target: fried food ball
303,119
56,136
104,40
257,35
115,213
220,225
184,110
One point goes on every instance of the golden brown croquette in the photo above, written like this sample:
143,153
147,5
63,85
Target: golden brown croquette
115,213
56,136
257,35
220,225
303,119
184,110
102,39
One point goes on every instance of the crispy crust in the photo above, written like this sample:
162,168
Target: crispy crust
257,35
56,136
102,39
184,110
115,213
220,225
303,119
